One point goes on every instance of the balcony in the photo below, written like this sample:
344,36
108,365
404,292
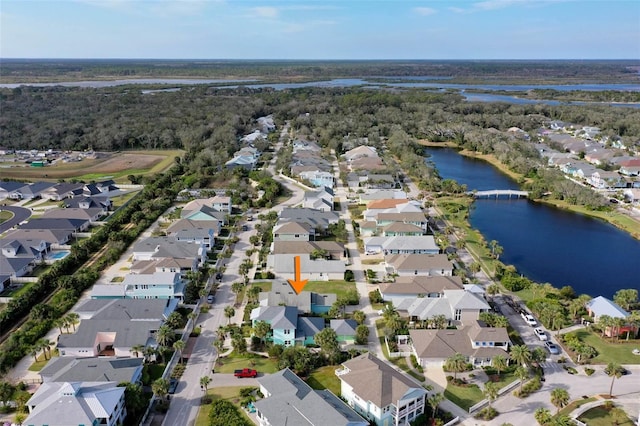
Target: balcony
341,371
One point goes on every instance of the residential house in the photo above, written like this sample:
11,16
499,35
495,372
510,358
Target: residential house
319,269
10,189
380,181
379,392
266,123
379,194
368,228
15,267
158,285
599,156
167,264
307,328
73,225
418,264
288,400
329,250
319,200
32,191
60,191
583,170
319,178
345,330
169,247
92,215
360,152
113,327
478,344
627,168
243,161
414,218
100,202
401,229
367,164
205,213
55,238
423,244
283,321
92,369
300,145
416,286
77,403
201,232
307,302
599,306
218,203
606,180
293,231
458,306
316,218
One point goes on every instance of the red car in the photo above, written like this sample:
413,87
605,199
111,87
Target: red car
245,372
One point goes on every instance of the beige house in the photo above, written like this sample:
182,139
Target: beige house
418,264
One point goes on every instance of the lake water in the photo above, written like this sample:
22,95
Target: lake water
544,243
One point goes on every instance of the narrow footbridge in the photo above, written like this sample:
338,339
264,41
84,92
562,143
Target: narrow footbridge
497,193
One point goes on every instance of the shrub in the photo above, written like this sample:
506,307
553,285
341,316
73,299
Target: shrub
375,296
589,371
570,370
530,387
348,275
487,413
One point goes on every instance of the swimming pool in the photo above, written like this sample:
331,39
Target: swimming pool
57,255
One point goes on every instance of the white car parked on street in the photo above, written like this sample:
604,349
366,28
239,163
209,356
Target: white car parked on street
529,319
540,333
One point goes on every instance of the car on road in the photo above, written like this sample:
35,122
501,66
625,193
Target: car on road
245,228
211,298
552,348
529,319
540,333
173,385
245,372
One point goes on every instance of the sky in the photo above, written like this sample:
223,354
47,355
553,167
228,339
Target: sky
307,29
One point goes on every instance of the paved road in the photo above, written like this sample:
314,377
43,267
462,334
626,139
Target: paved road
19,214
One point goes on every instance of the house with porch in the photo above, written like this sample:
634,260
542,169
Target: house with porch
293,231
417,286
478,344
307,302
418,264
92,369
288,400
195,231
379,392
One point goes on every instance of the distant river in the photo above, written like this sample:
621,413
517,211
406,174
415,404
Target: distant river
544,243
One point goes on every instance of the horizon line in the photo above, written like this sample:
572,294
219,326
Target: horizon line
311,60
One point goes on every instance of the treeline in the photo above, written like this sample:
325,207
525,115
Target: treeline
68,278
73,69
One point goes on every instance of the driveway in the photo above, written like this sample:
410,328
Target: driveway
20,214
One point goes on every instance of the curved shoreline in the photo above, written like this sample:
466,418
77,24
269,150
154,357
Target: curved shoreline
609,217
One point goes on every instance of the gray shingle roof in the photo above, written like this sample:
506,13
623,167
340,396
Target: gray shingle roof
293,402
280,317
93,369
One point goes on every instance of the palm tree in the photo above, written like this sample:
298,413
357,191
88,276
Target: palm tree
229,312
389,311
456,363
490,392
500,322
236,288
615,371
136,350
148,352
59,323
34,352
219,345
605,322
542,416
522,373
499,363
179,346
521,354
261,329
359,317
433,401
47,345
160,388
204,383
559,398
253,293
165,335
557,321
73,319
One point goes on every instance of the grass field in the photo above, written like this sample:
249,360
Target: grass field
231,393
233,362
5,215
600,416
325,378
609,352
116,166
464,397
340,288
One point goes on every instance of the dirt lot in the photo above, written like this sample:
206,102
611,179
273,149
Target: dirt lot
115,165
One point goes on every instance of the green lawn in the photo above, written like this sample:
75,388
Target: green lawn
340,288
233,362
573,405
231,393
463,397
264,285
325,378
608,352
600,416
5,215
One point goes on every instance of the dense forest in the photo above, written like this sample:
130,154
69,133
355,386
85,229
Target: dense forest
563,72
207,123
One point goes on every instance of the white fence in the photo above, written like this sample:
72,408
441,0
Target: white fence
502,391
452,422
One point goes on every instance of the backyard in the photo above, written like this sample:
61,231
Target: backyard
233,362
325,378
340,287
231,394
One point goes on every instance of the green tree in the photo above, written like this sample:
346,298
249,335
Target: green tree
362,334
174,319
179,346
626,297
521,354
359,317
261,329
73,319
542,416
559,398
165,335
229,312
160,388
499,363
456,363
615,371
204,383
253,293
134,399
327,339
434,401
6,392
136,350
490,392
236,288
522,374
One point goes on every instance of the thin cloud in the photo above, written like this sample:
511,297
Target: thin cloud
265,12
424,11
488,5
